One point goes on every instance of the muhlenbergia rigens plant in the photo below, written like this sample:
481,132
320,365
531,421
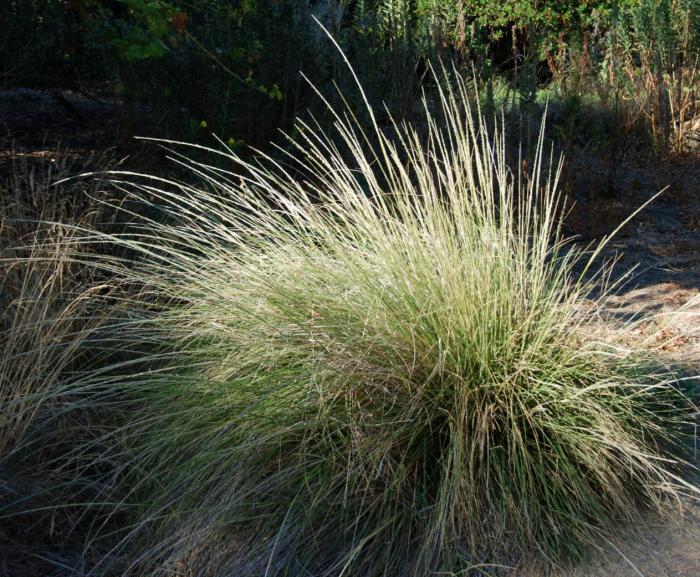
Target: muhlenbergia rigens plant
372,355
45,298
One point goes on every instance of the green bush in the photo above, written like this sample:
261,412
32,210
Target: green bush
652,61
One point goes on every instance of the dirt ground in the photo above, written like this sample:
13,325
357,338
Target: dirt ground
658,266
662,244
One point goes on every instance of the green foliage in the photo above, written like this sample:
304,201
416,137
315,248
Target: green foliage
651,61
144,32
236,63
663,31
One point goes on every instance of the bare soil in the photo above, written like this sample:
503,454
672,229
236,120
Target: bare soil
662,248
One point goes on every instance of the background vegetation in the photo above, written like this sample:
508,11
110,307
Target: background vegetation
232,66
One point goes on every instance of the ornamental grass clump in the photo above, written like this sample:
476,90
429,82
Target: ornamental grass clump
374,357
46,300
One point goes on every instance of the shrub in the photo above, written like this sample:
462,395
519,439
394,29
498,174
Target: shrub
374,358
652,64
